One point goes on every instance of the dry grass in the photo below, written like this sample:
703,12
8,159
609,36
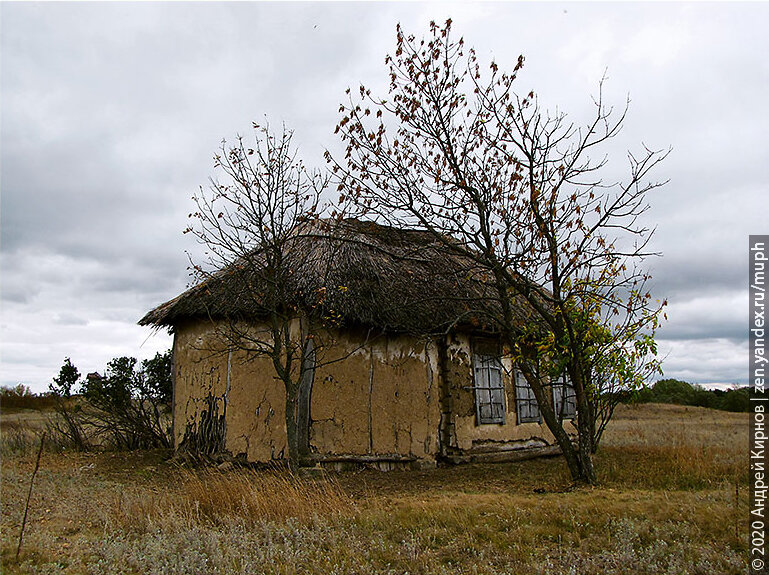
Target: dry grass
672,446
672,500
214,498
670,425
30,418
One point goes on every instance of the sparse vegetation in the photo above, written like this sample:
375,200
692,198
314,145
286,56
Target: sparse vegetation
672,498
128,408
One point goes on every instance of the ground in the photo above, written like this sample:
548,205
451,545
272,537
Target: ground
672,499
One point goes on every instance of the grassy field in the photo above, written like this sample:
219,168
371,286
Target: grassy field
672,499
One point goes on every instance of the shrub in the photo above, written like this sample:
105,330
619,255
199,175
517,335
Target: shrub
127,408
673,391
736,399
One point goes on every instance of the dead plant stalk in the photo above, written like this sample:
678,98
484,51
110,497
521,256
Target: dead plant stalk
29,495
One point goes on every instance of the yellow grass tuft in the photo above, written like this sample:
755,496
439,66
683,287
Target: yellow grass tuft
213,497
258,496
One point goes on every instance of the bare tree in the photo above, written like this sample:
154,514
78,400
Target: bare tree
251,222
455,151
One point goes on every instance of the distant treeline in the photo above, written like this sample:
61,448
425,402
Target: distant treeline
683,393
21,397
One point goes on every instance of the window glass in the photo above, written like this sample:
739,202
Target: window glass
564,399
528,408
489,389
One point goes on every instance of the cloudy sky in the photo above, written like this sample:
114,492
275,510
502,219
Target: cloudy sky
111,114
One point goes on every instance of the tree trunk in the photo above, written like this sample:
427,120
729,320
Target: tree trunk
585,429
304,398
561,437
578,458
292,428
570,453
585,426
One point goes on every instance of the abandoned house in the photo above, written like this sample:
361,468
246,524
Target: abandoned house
410,372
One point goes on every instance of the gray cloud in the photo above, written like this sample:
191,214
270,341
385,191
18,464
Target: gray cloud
705,361
112,113
711,315
69,319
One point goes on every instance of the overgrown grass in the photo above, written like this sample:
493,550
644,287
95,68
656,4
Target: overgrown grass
675,447
669,502
21,432
16,439
213,498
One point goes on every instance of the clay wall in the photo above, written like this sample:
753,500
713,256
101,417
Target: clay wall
380,399
243,387
386,397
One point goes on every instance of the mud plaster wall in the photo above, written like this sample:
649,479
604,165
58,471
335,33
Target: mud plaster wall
199,372
245,387
256,420
467,435
382,399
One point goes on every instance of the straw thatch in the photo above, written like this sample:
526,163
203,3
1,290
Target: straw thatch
349,272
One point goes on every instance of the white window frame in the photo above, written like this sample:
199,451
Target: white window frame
563,389
526,404
489,389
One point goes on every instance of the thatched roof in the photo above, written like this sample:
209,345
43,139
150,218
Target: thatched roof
350,272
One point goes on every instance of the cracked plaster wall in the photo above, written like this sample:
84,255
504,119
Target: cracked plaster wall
246,387
197,375
382,399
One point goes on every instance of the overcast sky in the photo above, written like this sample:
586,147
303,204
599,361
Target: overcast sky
111,114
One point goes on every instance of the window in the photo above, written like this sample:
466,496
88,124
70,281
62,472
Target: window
489,389
564,399
528,408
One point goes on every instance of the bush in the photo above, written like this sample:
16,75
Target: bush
736,399
127,408
673,391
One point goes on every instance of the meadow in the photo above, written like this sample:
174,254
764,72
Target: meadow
672,498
